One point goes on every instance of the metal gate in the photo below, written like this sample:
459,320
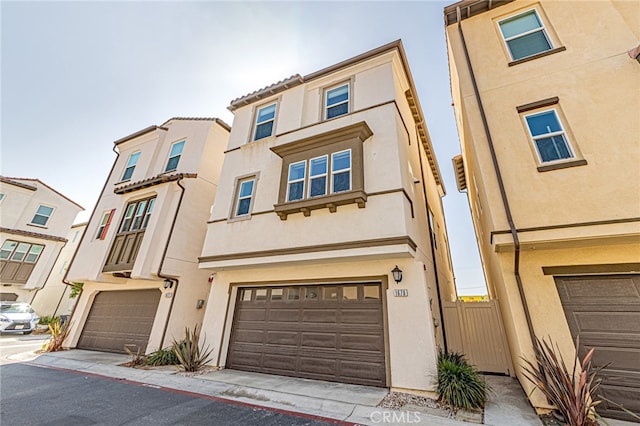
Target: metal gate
476,330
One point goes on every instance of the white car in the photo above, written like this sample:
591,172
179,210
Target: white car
17,317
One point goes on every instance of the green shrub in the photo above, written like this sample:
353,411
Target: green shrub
190,356
58,334
48,319
459,384
164,356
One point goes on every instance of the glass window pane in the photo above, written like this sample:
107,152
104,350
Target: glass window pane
552,149
544,123
246,295
331,293
264,130
7,248
261,294
350,292
133,159
176,149
338,110
371,292
318,187
293,293
311,293
34,253
20,252
266,113
45,211
297,170
337,95
246,188
172,164
341,161
276,293
528,45
243,206
296,191
342,182
520,24
318,166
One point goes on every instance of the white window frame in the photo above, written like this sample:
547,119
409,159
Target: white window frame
130,166
325,100
350,170
107,217
239,198
273,120
167,169
53,209
562,133
303,180
312,177
541,28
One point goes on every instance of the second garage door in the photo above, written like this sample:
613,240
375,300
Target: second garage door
119,318
325,332
604,311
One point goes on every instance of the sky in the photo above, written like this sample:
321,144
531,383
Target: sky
76,76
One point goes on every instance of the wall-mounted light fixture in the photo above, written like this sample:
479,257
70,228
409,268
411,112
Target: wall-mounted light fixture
168,283
397,274
211,277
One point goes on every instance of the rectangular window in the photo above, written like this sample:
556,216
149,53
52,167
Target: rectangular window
525,35
7,248
337,101
548,136
42,215
131,165
318,176
245,197
20,258
174,156
295,183
34,253
341,171
104,225
1,197
134,214
265,118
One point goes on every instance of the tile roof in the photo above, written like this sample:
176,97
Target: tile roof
215,119
280,86
152,181
32,234
10,181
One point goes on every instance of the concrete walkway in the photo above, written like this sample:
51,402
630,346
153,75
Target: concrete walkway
341,402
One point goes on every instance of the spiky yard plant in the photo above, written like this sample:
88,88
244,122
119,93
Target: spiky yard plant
459,383
137,358
58,334
166,356
574,392
191,357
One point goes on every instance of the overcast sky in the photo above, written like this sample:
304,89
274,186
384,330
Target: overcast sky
77,76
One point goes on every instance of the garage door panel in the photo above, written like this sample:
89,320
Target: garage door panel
604,312
252,314
118,319
322,337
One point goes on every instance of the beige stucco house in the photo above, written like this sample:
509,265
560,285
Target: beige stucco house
138,257
34,223
546,103
53,298
330,183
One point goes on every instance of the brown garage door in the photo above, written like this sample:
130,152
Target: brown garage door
605,312
325,332
119,318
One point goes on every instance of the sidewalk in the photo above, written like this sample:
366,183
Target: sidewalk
342,402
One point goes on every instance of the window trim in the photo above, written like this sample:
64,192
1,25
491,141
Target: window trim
350,170
135,204
24,260
53,210
259,108
325,98
233,213
130,166
103,226
543,28
562,133
170,157
303,180
325,175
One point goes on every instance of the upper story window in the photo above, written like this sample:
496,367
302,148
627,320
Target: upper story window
265,119
18,260
104,224
318,176
336,101
295,184
548,136
244,196
1,197
525,35
174,156
131,165
42,215
341,171
137,215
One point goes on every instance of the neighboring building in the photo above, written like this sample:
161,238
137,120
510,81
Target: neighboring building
138,259
53,298
34,223
322,195
550,153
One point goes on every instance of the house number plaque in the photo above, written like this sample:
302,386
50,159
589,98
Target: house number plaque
401,292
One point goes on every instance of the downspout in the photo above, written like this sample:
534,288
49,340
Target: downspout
174,281
433,252
503,194
93,212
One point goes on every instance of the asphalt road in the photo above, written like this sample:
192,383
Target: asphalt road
33,395
13,346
